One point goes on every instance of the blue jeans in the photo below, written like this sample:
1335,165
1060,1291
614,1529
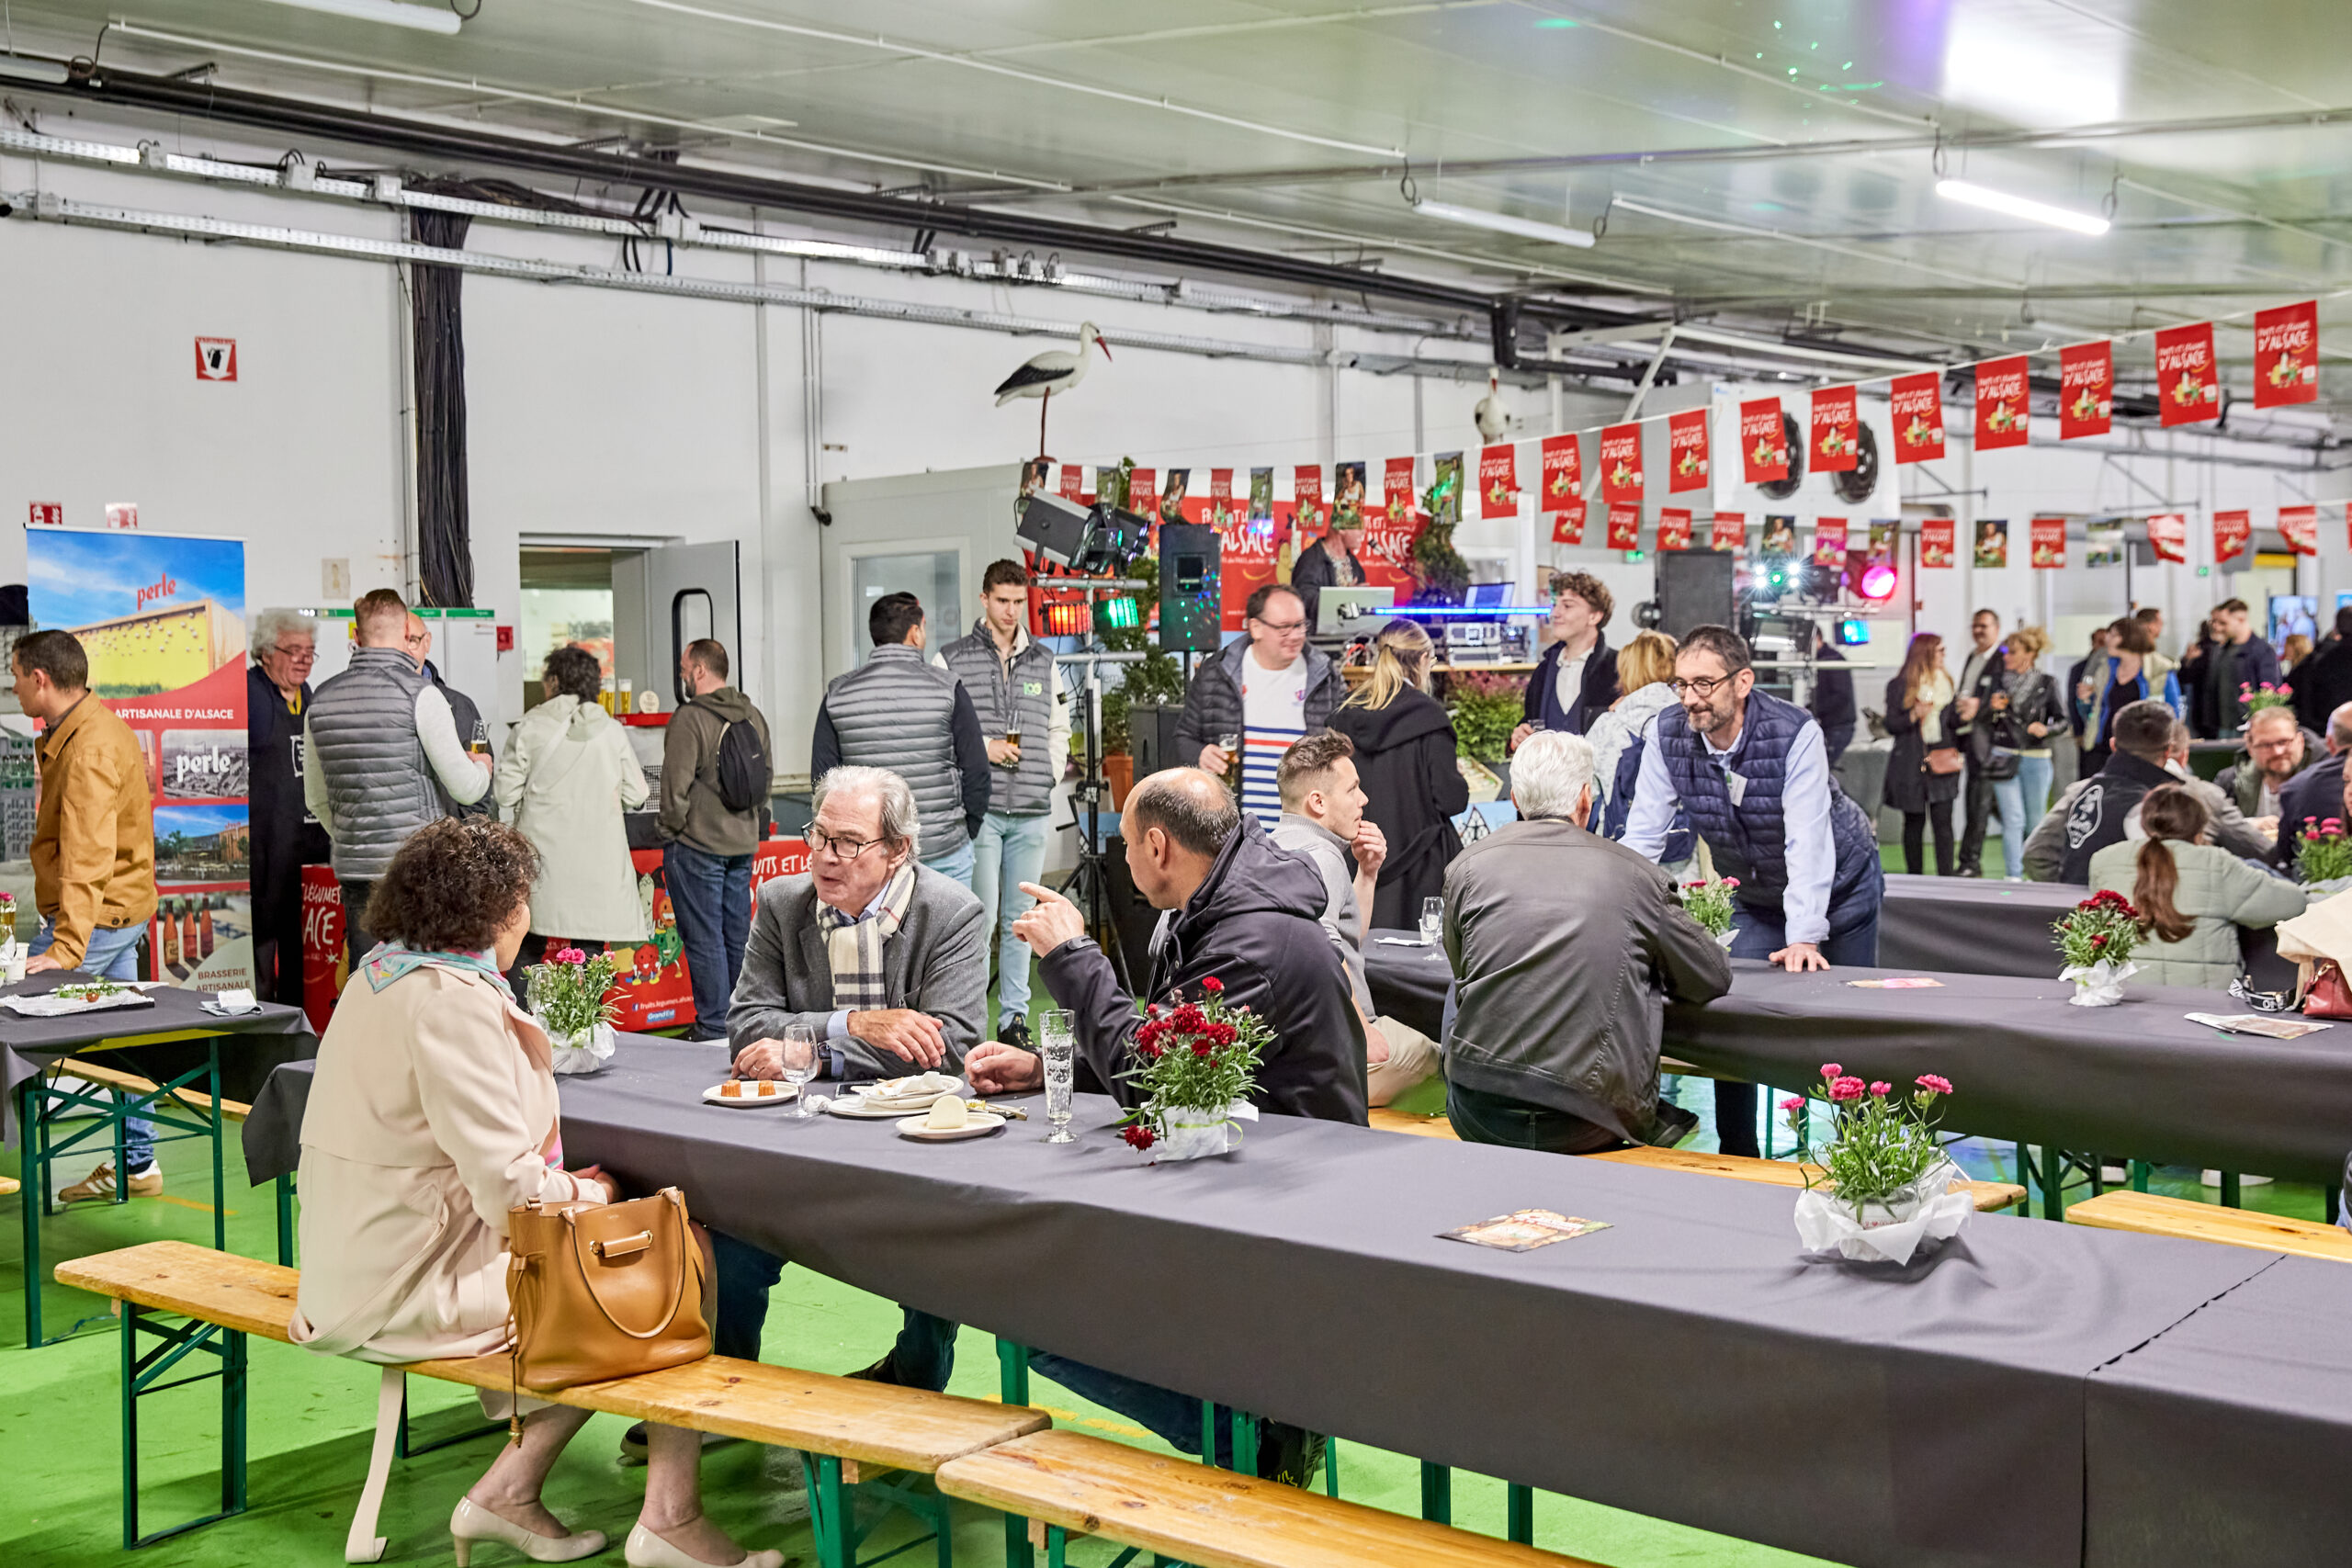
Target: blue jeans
1852,943
712,896
1174,1418
113,955
955,864
924,1357
1477,1117
1009,851
2020,801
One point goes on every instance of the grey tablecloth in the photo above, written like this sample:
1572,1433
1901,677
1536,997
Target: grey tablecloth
2138,1079
2224,1439
1408,983
1963,926
264,1040
1687,1364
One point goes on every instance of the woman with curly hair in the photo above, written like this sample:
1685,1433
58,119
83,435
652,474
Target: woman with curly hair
434,1115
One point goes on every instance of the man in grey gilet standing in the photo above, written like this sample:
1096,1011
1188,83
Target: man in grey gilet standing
1016,691
377,741
915,720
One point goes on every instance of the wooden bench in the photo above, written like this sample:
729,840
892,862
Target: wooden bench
131,1083
1986,1195
9,1186
1384,1120
1068,1483
2150,1214
842,1424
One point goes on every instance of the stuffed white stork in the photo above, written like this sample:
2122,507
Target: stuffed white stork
1056,370
1492,414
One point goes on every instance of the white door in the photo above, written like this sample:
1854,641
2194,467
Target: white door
668,597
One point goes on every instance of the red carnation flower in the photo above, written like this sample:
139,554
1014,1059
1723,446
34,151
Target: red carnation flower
1139,1136
1202,1047
1213,985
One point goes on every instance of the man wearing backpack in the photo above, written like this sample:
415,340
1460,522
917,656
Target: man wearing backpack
716,773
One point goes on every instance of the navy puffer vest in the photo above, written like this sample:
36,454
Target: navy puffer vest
1750,840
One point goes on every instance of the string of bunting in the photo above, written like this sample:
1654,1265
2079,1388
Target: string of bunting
2285,357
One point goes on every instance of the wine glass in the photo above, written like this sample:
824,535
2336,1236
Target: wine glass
799,1054
1432,921
1057,1047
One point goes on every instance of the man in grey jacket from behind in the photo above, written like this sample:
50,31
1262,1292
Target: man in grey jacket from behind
1565,948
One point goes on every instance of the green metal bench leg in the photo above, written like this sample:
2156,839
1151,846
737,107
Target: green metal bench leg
2139,1175
32,1131
1057,1544
1518,1510
140,1376
1330,1467
2230,1190
2333,1205
1012,1384
1437,1492
2053,1186
829,1514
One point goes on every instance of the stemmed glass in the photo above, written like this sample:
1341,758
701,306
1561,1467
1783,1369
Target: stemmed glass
1432,921
1057,1047
800,1053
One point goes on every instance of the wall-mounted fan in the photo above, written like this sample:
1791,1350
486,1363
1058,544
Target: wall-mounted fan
1792,439
1857,484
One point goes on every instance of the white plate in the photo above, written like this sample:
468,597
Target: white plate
855,1107
981,1124
785,1094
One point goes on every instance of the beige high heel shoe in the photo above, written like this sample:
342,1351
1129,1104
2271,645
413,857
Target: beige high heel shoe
470,1522
646,1549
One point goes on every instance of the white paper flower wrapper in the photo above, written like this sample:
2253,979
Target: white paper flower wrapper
1825,1223
2098,985
1200,1134
584,1053
1725,939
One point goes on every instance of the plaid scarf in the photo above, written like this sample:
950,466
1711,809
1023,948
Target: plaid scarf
854,945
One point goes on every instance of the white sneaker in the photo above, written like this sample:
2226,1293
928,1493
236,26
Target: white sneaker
2115,1175
2214,1178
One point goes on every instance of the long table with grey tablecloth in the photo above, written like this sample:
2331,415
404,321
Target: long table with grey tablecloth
1688,1363
2137,1079
1961,925
1407,980
264,1039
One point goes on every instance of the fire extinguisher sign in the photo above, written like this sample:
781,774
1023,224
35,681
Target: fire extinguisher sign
216,359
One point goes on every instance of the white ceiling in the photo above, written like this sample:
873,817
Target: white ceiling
1286,125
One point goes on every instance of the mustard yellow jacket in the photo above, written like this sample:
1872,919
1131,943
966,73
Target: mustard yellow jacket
94,836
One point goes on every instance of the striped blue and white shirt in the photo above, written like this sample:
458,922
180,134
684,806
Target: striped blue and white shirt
1273,715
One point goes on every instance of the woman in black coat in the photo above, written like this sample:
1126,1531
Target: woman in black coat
1404,757
1922,717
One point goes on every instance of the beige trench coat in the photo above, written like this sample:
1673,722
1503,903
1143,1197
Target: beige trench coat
432,1114
568,775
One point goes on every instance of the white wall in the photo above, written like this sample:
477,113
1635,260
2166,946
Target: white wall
605,414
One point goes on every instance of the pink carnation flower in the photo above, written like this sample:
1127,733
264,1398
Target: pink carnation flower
1832,1070
1934,1083
1795,1102
1846,1089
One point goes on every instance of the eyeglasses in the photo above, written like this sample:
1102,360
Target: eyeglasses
301,653
1284,628
2261,1001
1701,686
819,841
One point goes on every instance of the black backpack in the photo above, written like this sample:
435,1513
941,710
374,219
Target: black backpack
743,768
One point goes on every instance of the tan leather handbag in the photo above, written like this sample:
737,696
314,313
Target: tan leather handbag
604,1290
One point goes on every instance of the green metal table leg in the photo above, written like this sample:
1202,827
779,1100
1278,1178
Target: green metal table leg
2333,1205
219,1187
2053,1183
2230,1190
285,1185
1330,1467
1518,1510
233,1422
33,1172
1244,1443
1208,1433
1013,1386
1057,1544
2025,1178
2139,1175
1437,1492
130,1333
829,1514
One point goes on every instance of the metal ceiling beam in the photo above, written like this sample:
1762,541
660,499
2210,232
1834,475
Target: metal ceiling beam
131,90
1745,152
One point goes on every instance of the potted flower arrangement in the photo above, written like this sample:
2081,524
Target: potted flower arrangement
2096,937
2323,855
567,996
2254,699
12,952
1710,904
1885,1186
1195,1064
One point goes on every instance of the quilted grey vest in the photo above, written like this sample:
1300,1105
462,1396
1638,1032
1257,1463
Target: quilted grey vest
898,713
364,740
1016,701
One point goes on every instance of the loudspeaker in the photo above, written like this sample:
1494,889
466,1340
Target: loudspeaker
1694,589
1191,597
1151,737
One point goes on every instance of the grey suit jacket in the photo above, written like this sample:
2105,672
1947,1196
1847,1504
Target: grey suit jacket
938,964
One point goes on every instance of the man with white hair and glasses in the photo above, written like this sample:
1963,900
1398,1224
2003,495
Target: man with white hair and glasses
1565,949
286,837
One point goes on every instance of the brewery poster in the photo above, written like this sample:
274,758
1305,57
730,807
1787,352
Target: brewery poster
163,619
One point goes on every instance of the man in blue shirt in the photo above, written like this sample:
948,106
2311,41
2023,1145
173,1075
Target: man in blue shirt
1755,775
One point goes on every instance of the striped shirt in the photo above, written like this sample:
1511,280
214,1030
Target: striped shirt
1274,708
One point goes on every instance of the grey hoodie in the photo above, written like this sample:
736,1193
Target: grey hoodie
692,812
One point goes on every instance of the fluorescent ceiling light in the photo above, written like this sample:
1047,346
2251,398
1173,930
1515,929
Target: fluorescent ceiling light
1502,223
17,67
425,18
2018,206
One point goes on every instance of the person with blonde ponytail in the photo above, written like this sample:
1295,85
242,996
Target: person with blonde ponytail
1407,762
2192,895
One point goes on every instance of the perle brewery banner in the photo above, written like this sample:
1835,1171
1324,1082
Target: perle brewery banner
163,619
